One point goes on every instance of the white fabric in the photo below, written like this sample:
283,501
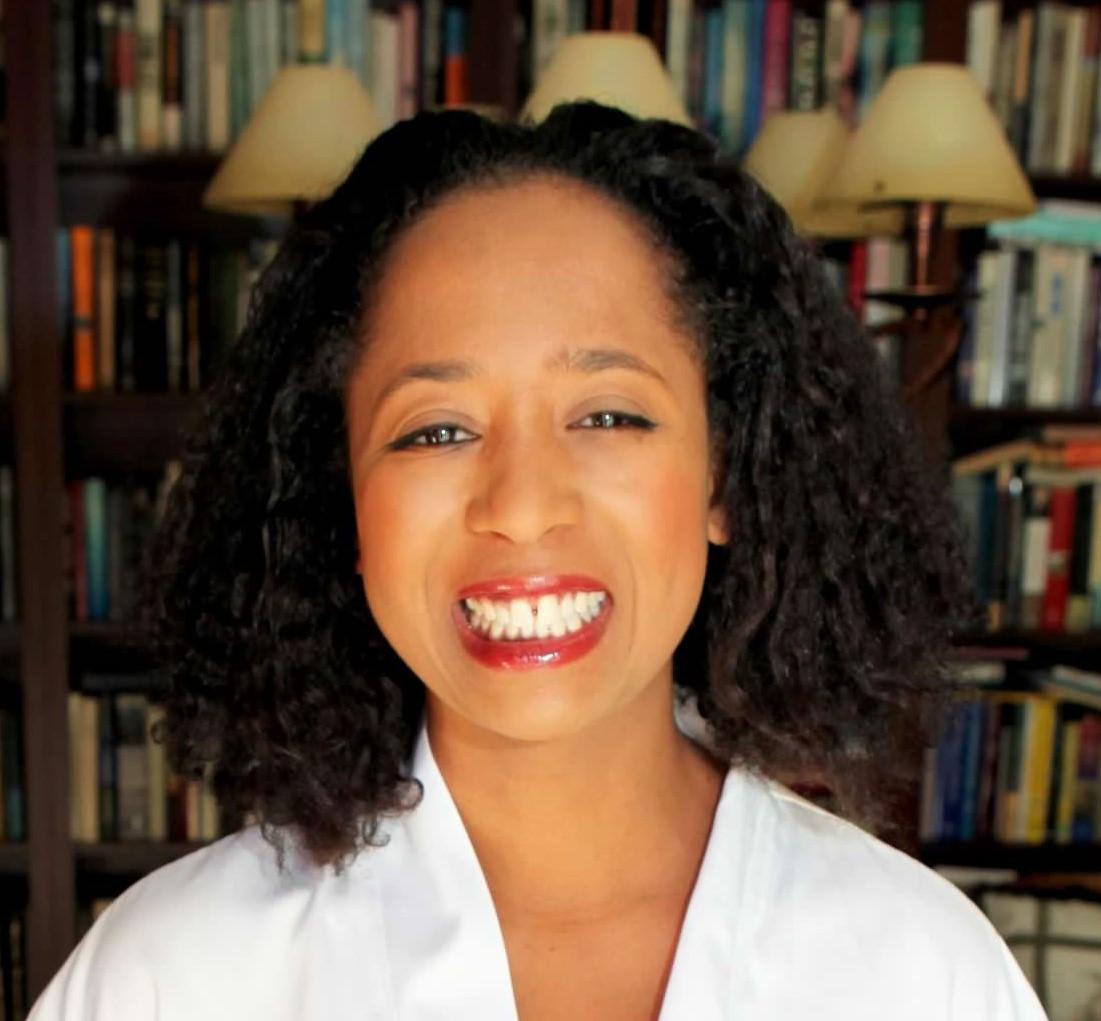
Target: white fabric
795,914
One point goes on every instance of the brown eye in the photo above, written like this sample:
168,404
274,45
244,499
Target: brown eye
440,435
618,420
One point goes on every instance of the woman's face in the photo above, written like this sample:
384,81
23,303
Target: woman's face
523,350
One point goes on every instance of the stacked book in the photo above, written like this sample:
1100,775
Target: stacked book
150,313
1030,513
1018,766
1032,337
737,61
107,530
121,786
1038,65
149,75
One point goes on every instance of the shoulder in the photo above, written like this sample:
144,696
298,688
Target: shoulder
198,915
858,906
224,885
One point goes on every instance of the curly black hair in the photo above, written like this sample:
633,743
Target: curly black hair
819,646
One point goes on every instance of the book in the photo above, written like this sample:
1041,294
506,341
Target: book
1056,591
147,25
83,311
133,775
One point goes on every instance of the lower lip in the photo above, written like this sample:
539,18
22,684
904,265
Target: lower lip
531,653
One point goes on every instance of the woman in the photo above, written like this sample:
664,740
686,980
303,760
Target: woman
549,510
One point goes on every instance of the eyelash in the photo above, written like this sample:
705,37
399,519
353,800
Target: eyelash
407,441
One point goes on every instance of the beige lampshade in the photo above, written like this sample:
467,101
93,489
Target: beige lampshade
307,132
931,136
793,156
620,69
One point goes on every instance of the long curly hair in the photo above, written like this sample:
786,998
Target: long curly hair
819,646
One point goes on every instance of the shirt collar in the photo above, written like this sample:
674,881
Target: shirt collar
446,952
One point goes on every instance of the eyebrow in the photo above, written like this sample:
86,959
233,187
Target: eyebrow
587,360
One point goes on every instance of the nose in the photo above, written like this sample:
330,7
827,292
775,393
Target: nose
525,485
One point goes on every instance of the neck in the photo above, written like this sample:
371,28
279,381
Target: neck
584,823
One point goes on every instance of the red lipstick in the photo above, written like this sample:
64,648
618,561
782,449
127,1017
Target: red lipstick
531,653
531,585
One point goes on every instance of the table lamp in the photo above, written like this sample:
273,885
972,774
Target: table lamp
794,155
307,132
931,148
620,69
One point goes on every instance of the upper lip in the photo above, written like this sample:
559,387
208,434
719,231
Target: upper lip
518,586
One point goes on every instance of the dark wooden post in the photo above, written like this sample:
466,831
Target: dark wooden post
32,205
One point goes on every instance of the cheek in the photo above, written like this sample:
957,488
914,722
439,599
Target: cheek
399,518
663,513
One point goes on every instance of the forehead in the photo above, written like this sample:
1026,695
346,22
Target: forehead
533,264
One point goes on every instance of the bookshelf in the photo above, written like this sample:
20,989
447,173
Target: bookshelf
52,436
967,429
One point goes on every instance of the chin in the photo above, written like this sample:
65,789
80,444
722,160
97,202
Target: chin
533,719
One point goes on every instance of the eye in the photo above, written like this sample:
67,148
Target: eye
608,419
440,435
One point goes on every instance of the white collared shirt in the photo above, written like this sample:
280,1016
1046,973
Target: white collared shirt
795,914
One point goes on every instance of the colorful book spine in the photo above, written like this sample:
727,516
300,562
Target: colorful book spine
1057,588
777,42
454,62
94,496
83,314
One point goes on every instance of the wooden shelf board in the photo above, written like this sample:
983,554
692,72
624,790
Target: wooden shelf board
1023,416
13,858
130,191
1069,186
185,163
107,647
974,429
1037,648
1013,642
108,432
1049,858
129,858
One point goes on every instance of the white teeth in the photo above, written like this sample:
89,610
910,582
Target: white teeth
520,611
518,619
546,615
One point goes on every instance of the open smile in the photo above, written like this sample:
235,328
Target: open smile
526,633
